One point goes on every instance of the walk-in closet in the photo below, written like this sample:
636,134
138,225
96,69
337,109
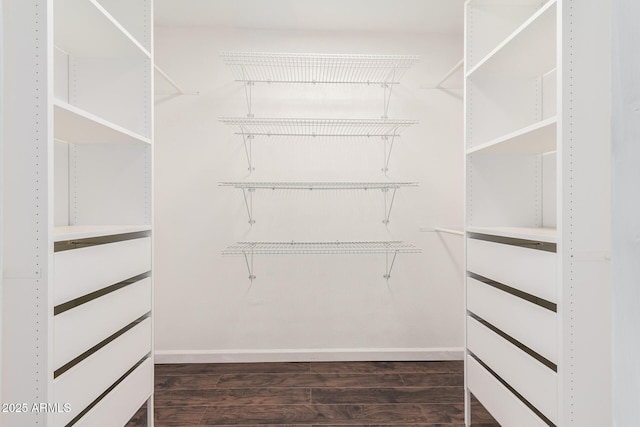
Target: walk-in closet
319,213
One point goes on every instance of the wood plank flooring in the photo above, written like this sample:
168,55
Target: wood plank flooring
331,394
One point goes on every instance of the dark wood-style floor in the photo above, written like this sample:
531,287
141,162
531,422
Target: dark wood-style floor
334,394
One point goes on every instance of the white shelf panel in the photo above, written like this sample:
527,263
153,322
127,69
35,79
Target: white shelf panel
72,124
84,28
74,232
538,138
538,234
319,185
317,127
530,51
315,248
317,68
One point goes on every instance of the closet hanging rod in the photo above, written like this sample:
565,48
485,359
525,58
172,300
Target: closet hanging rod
455,68
172,82
449,231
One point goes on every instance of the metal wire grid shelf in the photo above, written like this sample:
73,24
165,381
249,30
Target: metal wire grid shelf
248,188
249,249
264,67
320,248
250,126
319,185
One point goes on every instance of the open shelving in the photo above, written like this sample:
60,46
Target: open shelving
86,135
67,233
248,188
538,234
512,86
72,124
102,34
319,185
263,67
524,53
248,126
537,138
387,248
250,68
320,248
537,223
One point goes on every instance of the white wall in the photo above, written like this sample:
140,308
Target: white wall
626,212
305,307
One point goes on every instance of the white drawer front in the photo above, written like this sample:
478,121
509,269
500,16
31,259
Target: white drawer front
82,271
122,403
533,380
529,270
532,325
82,327
83,383
506,408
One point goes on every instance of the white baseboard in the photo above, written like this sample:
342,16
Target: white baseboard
309,355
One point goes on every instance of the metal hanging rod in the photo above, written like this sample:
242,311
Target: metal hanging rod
263,67
450,73
319,185
250,126
172,82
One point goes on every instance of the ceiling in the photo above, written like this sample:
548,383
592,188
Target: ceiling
413,16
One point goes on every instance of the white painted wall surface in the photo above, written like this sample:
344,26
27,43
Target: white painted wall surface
626,212
304,307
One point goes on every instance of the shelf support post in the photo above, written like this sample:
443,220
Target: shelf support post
387,212
248,202
387,274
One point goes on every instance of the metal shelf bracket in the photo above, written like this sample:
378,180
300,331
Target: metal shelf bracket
248,202
387,275
387,211
388,147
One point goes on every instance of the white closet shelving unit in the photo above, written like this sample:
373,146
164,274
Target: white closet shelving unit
78,290
385,71
537,220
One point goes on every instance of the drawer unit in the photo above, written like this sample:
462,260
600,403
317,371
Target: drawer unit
122,403
83,383
80,328
529,323
505,407
81,271
529,270
536,382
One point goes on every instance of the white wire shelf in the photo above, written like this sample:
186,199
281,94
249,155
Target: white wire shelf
320,248
249,126
319,185
387,248
263,67
248,188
